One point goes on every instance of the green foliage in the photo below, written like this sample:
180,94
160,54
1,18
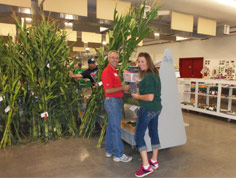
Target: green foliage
35,79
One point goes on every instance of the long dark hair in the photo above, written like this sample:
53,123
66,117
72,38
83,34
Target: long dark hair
151,66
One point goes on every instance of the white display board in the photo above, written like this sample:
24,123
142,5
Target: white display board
218,68
171,124
171,127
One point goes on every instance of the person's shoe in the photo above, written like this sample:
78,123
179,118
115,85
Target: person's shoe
108,155
155,165
144,172
124,158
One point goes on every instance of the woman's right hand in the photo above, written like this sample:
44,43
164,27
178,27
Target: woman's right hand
135,95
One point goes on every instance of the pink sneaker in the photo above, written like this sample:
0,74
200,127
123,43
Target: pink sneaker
154,165
144,172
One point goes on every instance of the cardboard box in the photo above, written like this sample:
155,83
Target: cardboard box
129,127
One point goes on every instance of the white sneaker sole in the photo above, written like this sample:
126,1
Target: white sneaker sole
108,155
148,173
153,167
119,160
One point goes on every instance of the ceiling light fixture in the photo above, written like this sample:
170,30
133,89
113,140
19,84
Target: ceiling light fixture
179,38
29,20
24,10
227,2
156,34
69,16
69,24
102,29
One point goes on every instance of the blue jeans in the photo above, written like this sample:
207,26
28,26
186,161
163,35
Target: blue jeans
114,144
147,119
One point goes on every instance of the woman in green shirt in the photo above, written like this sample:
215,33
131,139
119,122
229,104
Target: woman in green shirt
150,108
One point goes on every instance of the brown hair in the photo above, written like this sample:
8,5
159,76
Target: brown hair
150,64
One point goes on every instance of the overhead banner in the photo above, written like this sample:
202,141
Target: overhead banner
182,22
105,8
6,29
75,7
79,49
20,3
206,26
71,35
91,37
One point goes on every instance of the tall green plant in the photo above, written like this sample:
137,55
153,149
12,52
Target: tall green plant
44,57
127,33
10,75
34,79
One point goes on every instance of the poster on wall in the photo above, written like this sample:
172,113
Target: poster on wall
221,68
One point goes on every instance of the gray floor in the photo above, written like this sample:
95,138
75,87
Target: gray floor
209,152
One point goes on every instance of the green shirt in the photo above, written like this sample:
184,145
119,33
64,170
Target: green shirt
79,71
151,84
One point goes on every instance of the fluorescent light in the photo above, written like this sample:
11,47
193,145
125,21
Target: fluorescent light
69,16
102,29
68,24
28,19
24,10
227,2
156,34
179,38
27,11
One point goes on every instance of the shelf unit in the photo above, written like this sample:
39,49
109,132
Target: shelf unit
190,92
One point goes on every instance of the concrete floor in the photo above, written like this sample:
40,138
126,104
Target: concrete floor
210,151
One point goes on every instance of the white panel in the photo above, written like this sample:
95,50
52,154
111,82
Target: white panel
83,49
75,7
91,37
79,49
123,7
206,26
105,8
71,35
20,3
171,123
6,29
181,22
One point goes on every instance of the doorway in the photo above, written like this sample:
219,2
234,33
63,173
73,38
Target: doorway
191,67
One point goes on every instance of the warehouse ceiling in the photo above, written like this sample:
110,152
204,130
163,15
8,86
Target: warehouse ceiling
223,11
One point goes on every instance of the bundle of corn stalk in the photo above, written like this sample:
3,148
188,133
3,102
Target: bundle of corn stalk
35,84
10,85
128,32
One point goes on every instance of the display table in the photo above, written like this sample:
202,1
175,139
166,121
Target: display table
194,98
